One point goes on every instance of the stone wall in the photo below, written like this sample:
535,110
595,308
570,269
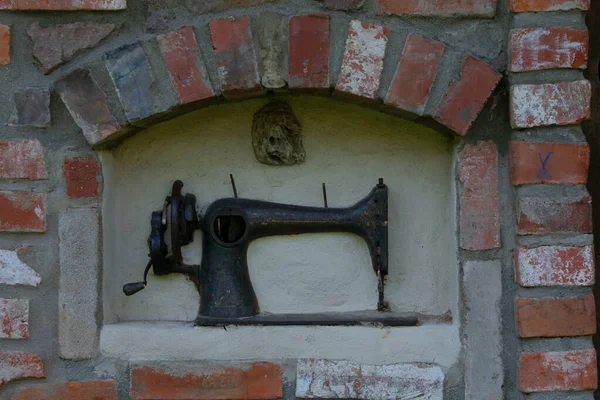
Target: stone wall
80,77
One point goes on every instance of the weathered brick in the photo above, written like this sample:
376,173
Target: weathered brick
362,64
535,49
22,159
96,390
132,76
556,317
438,8
478,196
558,371
563,103
81,176
547,5
32,108
57,44
554,266
15,272
309,52
542,215
4,45
208,6
22,212
272,35
416,74
14,319
186,70
532,162
88,105
79,258
332,379
64,5
466,97
20,365
342,4
236,58
181,380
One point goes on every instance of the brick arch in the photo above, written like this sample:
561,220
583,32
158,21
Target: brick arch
157,79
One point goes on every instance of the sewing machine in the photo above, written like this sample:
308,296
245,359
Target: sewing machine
229,225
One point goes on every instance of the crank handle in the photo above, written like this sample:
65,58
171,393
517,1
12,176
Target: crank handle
132,288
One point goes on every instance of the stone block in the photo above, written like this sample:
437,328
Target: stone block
186,69
4,45
81,176
482,287
466,97
563,103
20,365
236,58
57,44
362,65
88,105
556,317
15,272
532,162
158,14
32,108
555,266
88,390
438,8
132,76
308,46
330,379
208,6
14,319
273,38
189,380
543,215
64,5
547,5
416,74
478,196
535,49
22,159
22,212
342,4
79,257
558,371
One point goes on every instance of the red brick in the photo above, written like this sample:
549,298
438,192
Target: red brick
556,317
363,60
187,71
22,160
538,216
537,49
438,8
563,103
309,52
4,45
19,365
22,212
63,5
554,266
236,59
558,371
257,380
478,196
415,74
14,319
532,162
90,390
547,5
466,97
81,175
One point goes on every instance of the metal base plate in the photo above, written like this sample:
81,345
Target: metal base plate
324,319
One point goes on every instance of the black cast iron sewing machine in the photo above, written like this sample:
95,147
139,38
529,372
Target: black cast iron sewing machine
229,226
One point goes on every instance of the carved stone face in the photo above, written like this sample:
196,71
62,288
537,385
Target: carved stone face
277,135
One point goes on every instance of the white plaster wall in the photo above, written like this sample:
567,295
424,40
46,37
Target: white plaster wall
347,147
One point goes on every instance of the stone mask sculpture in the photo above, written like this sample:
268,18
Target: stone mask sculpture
277,135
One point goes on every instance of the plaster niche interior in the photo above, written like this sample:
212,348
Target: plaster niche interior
347,147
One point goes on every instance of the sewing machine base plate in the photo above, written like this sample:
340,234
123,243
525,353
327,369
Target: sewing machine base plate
323,319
